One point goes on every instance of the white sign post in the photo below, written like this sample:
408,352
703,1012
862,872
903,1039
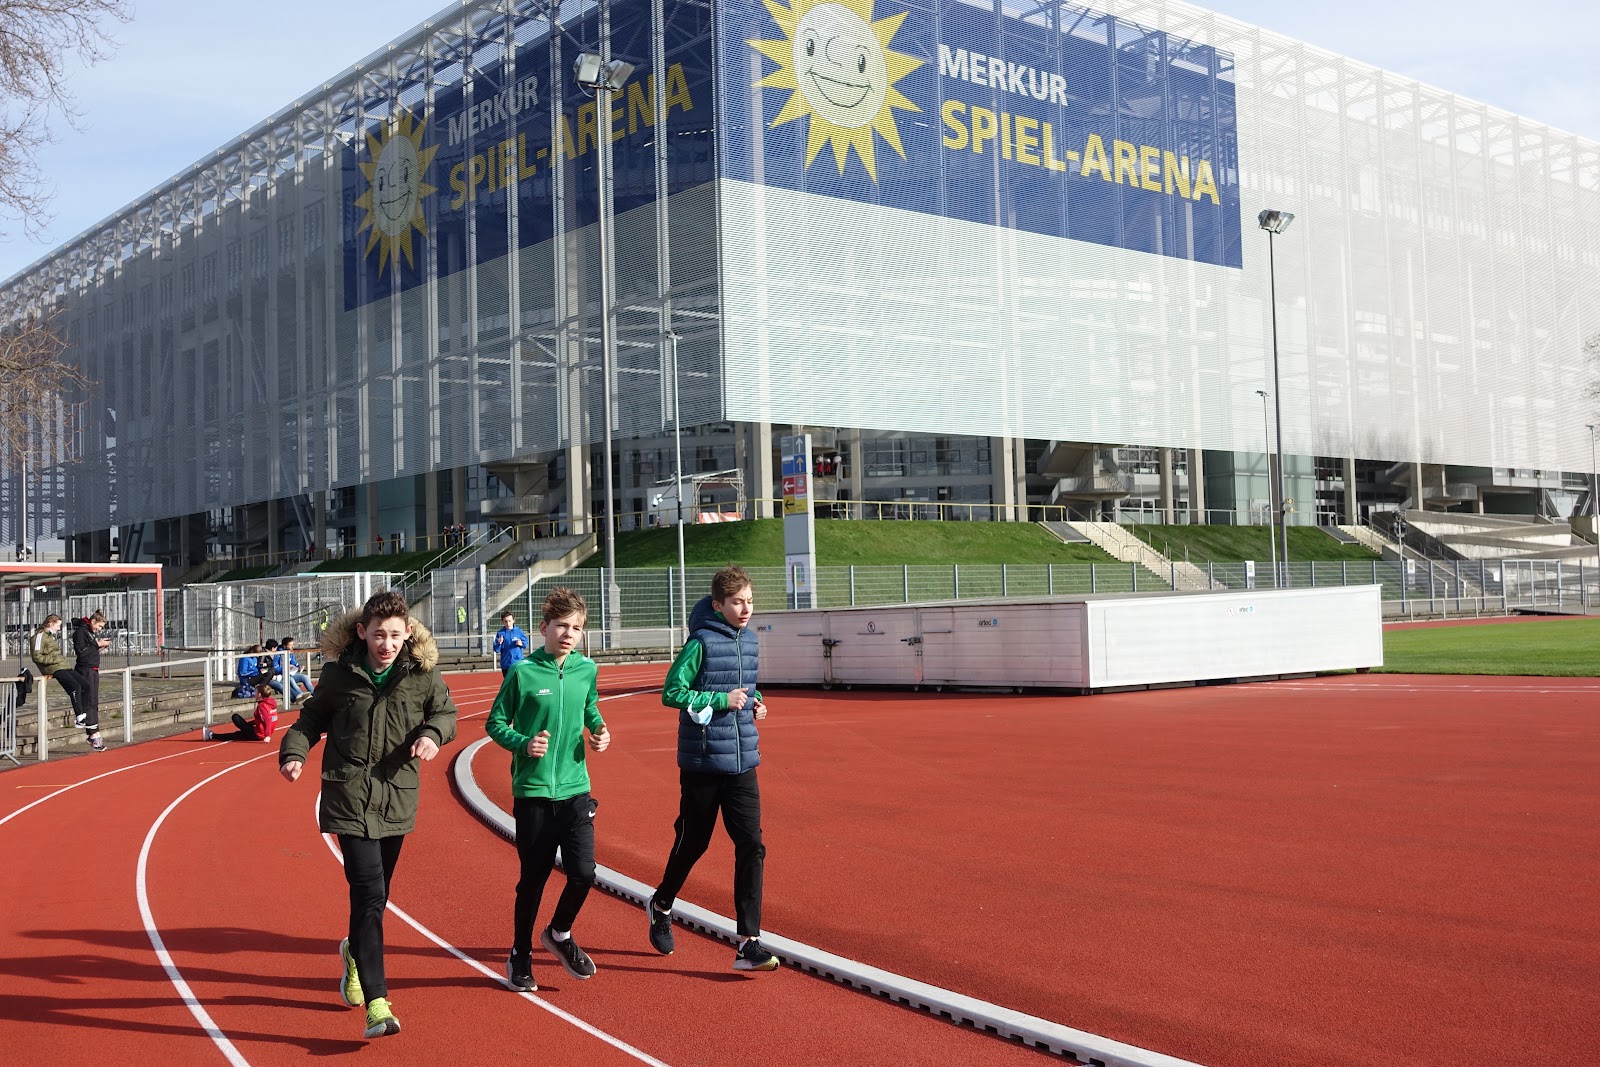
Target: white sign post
799,523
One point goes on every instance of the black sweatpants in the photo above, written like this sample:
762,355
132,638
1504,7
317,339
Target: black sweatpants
738,796
76,688
91,696
246,731
542,827
369,868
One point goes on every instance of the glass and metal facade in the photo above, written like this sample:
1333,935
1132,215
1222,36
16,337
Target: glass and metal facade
940,219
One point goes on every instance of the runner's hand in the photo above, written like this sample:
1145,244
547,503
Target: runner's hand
600,741
539,744
426,747
291,770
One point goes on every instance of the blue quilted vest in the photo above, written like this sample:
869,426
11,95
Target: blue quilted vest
728,744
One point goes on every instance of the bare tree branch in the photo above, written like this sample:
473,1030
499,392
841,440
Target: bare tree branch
38,38
35,380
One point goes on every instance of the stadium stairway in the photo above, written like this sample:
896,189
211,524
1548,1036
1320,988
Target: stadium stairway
1183,575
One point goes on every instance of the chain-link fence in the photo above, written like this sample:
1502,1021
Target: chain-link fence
463,606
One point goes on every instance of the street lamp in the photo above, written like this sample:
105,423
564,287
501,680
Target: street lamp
602,76
1275,222
1272,528
1594,498
677,468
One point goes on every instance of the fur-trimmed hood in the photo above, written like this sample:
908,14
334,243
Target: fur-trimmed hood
340,639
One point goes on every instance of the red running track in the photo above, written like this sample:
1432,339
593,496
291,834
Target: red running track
1295,873
250,903
1290,874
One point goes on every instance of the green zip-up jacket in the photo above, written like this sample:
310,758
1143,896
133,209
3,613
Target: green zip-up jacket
563,698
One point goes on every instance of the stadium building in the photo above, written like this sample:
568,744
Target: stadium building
990,254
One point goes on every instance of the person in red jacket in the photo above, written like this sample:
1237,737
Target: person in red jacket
257,729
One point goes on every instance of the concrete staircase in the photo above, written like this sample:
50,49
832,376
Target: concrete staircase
1123,545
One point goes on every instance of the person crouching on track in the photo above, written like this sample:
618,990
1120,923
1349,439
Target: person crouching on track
713,684
544,705
45,648
257,729
384,708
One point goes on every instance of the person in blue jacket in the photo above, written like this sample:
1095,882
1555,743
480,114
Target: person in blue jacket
510,643
712,683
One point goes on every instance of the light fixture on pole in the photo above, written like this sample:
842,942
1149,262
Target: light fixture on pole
602,76
677,469
1272,528
1275,222
1594,498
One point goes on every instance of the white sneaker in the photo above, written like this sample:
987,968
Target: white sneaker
205,733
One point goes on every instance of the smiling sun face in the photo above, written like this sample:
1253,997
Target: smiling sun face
842,72
393,200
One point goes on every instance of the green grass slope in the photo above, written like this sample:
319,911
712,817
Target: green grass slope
843,543
1228,544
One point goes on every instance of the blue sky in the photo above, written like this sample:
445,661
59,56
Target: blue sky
190,76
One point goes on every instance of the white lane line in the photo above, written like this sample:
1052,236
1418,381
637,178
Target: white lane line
96,778
200,1014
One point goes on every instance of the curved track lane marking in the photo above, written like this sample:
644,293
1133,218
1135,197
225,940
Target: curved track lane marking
1029,1030
96,778
201,1016
565,1016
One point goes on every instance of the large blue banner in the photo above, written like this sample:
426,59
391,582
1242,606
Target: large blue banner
1068,123
416,182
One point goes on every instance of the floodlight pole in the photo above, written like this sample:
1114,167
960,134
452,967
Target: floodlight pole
609,78
1272,528
1594,497
677,447
1275,222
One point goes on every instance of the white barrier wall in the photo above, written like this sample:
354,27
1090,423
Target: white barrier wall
1084,643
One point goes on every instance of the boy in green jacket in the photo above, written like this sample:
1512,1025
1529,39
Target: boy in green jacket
545,703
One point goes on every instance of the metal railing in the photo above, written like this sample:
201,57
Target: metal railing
8,718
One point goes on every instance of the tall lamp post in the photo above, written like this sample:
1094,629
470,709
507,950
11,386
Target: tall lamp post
1272,527
603,76
1275,222
1594,498
677,468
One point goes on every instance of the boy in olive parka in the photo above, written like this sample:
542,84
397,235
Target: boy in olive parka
383,708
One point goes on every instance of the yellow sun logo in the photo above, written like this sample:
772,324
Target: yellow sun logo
393,200
842,72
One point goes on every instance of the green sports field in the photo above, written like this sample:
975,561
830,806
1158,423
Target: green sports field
1555,647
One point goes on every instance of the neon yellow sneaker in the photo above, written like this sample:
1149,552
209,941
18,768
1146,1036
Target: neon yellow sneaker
380,1020
350,984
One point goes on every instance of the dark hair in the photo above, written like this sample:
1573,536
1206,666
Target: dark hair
272,643
563,602
286,642
98,616
388,604
263,690
728,581
48,619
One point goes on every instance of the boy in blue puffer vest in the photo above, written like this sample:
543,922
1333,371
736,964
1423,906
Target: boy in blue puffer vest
712,683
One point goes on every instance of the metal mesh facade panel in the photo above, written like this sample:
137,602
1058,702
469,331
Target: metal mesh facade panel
1433,293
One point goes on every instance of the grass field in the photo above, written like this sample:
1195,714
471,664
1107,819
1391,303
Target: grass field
1230,544
1564,648
843,543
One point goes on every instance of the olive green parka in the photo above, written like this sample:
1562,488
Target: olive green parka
369,776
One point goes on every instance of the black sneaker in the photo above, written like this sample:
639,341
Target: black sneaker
97,744
519,971
660,928
573,958
752,957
